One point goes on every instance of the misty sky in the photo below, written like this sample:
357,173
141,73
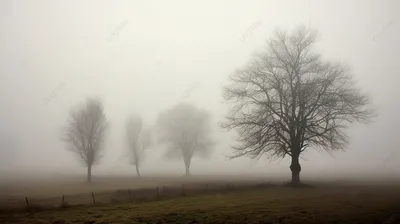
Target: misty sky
140,57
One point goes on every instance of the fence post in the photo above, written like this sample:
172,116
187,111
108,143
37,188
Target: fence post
94,201
206,187
26,200
130,196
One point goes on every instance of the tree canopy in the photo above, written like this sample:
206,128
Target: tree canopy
287,99
85,132
186,132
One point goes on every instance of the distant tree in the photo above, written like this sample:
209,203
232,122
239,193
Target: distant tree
138,140
287,100
186,131
85,132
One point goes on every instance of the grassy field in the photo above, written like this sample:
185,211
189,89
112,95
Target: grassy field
105,190
73,184
262,204
48,192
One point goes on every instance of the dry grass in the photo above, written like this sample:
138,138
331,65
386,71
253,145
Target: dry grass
320,204
109,189
207,200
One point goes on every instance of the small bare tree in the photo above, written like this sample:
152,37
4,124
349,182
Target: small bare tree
85,132
138,140
186,131
287,100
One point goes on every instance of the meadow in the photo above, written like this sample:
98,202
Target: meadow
224,199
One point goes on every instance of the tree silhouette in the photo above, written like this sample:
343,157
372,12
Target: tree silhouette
287,100
85,131
186,131
138,140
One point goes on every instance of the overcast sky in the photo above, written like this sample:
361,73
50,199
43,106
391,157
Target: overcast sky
140,57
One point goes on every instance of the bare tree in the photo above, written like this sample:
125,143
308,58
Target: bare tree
287,100
85,132
138,140
186,131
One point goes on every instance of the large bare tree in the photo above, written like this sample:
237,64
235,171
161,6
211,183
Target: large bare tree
85,132
138,140
287,100
186,131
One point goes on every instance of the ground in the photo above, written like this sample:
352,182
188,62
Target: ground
323,203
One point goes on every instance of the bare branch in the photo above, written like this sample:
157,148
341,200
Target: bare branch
186,132
85,132
287,99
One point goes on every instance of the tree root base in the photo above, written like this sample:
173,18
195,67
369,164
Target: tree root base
297,185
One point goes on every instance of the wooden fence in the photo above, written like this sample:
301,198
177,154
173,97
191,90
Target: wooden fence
124,195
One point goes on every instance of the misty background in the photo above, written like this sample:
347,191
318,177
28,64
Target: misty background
142,57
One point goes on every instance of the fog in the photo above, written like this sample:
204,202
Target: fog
143,57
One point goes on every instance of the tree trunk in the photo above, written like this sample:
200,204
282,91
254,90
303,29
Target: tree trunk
187,159
137,170
89,173
295,168
187,170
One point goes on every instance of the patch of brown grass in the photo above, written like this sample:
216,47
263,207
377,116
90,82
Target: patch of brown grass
271,205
